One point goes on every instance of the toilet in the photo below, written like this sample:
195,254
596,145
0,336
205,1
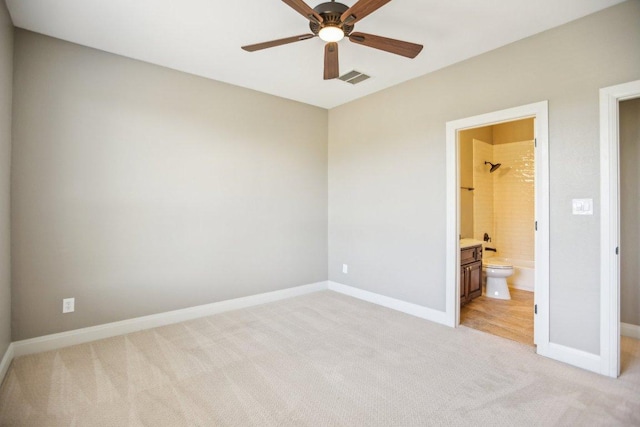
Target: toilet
497,273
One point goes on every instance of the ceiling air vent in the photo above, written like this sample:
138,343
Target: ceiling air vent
353,77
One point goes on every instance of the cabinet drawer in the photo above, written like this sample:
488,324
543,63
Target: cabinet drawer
468,255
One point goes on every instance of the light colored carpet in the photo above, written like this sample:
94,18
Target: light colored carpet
322,359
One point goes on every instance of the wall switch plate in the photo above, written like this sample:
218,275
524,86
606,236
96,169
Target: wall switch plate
68,305
582,206
345,268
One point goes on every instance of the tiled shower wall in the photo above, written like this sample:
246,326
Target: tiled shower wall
504,201
514,200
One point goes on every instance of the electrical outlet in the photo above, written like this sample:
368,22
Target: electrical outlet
345,268
68,305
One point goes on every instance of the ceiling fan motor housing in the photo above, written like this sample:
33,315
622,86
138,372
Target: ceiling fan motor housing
331,13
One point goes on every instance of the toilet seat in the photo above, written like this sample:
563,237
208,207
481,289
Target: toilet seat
496,264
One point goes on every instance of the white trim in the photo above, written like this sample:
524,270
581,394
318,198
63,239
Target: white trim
610,98
581,359
539,110
629,330
521,288
558,352
79,336
392,303
452,246
6,362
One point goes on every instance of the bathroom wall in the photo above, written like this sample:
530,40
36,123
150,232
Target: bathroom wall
519,130
630,212
483,204
466,167
466,196
504,201
514,200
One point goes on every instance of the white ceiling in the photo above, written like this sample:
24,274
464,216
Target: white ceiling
203,37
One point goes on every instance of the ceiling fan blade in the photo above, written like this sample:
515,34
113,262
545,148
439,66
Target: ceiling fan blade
410,50
361,9
303,9
331,69
279,42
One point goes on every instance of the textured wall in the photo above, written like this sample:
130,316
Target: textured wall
6,85
387,210
630,212
138,189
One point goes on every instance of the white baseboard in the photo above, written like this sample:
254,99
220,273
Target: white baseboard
521,287
6,361
93,333
392,303
629,330
581,359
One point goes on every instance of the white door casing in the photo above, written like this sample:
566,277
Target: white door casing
610,98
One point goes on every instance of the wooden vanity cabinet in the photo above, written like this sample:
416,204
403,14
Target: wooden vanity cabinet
470,273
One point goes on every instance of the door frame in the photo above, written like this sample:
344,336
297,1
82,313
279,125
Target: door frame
539,111
610,98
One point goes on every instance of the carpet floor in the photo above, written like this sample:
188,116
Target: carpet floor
322,359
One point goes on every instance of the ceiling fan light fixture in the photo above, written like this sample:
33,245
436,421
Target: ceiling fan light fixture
331,33
331,21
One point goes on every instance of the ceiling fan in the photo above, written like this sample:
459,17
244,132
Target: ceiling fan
332,21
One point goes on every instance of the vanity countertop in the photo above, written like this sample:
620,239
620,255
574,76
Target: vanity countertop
466,243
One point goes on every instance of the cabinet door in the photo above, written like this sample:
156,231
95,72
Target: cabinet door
474,280
463,284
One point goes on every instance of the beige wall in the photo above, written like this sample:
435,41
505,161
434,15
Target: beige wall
386,180
483,195
465,147
138,189
519,130
6,84
630,211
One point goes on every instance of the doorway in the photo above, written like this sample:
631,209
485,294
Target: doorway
610,305
629,226
497,168
539,113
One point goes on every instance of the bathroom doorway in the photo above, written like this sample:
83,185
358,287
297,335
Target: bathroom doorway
481,221
496,165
